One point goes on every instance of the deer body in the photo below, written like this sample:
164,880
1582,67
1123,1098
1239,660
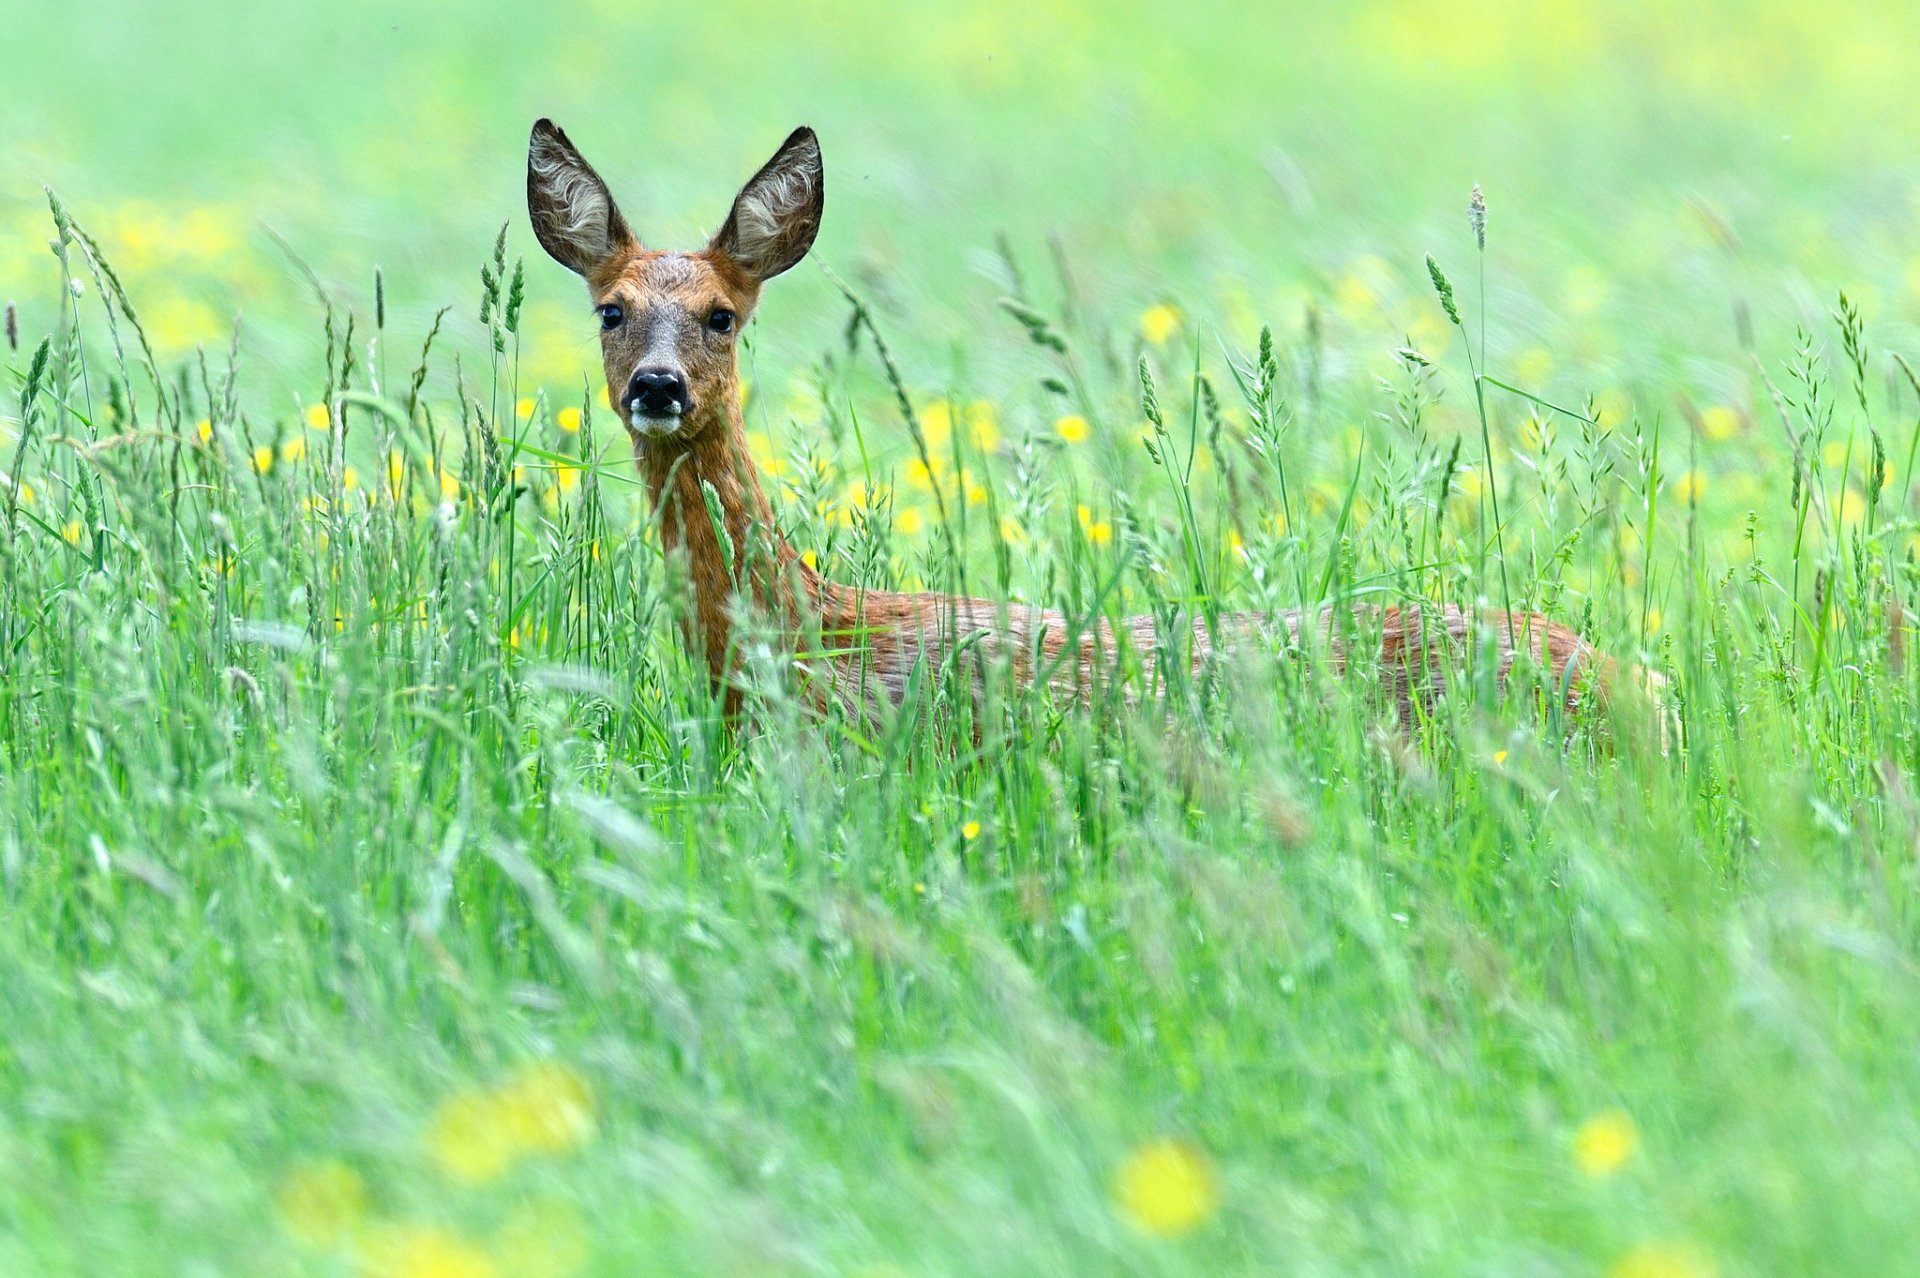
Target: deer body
669,324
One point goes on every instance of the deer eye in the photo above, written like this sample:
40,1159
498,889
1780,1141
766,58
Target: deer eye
611,317
721,321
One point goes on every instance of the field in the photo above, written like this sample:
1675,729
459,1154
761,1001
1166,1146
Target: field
383,891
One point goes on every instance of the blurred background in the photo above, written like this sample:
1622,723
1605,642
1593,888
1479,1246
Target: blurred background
1652,168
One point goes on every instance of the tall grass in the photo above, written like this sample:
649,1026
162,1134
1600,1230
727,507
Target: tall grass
384,890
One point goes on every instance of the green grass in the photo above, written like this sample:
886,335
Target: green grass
367,839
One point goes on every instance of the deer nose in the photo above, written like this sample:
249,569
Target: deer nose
658,392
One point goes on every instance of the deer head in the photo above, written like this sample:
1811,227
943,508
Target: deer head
669,321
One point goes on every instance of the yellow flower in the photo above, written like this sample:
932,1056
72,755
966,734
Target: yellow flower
567,476
1605,1143
449,484
479,1133
263,458
983,427
1158,323
422,1251
549,1108
318,418
909,522
970,831
26,493
976,492
1653,621
321,1203
523,408
1073,429
1719,423
1167,1188
1236,545
293,450
466,1139
810,559
936,423
349,478
1499,757
72,531
1690,485
1663,1260
1833,453
1098,531
203,430
1011,532
920,475
568,420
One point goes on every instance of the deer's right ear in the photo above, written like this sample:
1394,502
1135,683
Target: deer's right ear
573,214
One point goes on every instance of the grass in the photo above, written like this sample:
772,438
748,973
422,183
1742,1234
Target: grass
381,891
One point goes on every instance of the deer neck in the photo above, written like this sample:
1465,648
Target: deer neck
715,518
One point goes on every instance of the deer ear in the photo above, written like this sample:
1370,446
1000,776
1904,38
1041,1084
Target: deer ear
573,215
777,213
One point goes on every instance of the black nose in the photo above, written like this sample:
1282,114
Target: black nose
658,392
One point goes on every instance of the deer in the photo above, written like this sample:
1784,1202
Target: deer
670,323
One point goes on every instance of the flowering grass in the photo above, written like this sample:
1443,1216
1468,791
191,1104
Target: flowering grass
383,893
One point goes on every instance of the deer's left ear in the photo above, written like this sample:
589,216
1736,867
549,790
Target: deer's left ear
777,213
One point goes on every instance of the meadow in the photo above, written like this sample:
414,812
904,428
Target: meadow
383,891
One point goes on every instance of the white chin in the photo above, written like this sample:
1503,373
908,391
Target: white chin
653,426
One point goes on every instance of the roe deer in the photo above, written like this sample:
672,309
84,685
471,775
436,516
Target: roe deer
668,327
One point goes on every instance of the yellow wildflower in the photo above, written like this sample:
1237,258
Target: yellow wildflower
936,423
321,1203
810,559
1833,453
1073,429
1690,485
1158,323
293,450
422,1251
523,408
1663,1260
349,478
263,458
567,476
970,831
976,492
1098,531
568,419
318,418
546,1108
1167,1188
1011,532
1605,1143
449,484
203,430
466,1139
72,531
549,1108
983,427
909,522
1719,423
1499,757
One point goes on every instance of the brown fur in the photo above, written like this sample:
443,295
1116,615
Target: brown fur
862,646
